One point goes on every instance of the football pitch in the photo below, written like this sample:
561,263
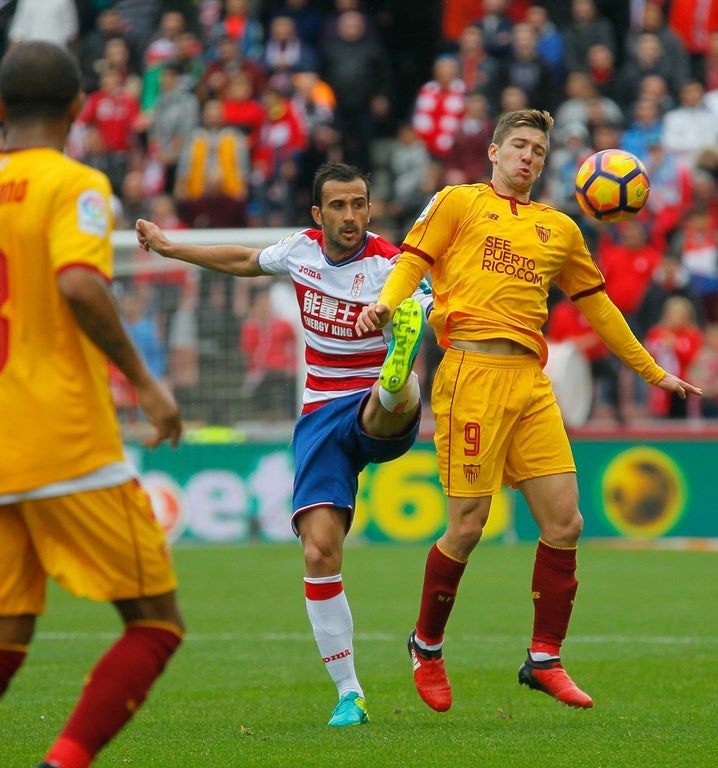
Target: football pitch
248,687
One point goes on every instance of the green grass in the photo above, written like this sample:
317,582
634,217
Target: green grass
248,687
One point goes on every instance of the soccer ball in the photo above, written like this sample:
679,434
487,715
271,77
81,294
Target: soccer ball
612,185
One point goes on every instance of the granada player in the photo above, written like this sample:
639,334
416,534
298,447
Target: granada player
348,418
70,506
493,253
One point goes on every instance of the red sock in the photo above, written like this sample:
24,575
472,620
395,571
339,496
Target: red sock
441,582
11,658
553,589
117,686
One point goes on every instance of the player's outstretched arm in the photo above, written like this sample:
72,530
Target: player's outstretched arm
235,260
372,317
95,312
681,388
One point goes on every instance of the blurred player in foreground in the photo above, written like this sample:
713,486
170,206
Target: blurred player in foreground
70,506
360,404
493,255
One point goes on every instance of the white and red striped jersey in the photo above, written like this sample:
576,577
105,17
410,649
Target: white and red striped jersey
330,297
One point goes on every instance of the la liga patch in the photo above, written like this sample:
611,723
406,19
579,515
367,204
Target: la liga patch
93,216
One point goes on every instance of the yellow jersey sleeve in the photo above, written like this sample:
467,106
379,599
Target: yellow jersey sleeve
608,322
81,222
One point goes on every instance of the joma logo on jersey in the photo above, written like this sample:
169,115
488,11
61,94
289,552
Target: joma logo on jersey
335,656
311,272
492,216
543,232
13,191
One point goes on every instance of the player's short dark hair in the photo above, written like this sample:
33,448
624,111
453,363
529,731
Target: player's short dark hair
38,80
522,118
335,172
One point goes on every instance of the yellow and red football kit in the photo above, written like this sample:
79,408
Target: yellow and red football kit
492,260
59,436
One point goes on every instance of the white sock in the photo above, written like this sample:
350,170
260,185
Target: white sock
333,628
406,399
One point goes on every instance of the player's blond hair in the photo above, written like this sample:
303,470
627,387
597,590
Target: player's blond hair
529,118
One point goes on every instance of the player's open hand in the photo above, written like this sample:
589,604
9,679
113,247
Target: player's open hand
372,317
151,237
681,388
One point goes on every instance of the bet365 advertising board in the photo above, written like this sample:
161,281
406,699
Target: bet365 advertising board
236,492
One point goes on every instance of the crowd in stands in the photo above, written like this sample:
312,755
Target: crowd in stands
216,113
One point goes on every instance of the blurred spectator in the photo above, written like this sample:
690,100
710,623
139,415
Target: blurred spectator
690,127
627,261
602,68
671,191
477,68
135,305
496,25
409,162
526,69
117,54
113,112
213,173
330,22
282,140
53,20
143,327
705,183
229,60
549,41
674,342
241,109
571,149
644,129
704,372
175,116
655,87
468,159
284,51
584,28
693,21
669,278
307,19
583,102
141,19
315,104
458,13
511,98
189,57
356,67
710,65
567,323
164,43
269,344
7,9
653,20
93,47
650,58
134,200
439,107
238,23
697,243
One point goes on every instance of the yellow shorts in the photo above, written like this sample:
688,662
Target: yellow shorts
497,422
104,544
